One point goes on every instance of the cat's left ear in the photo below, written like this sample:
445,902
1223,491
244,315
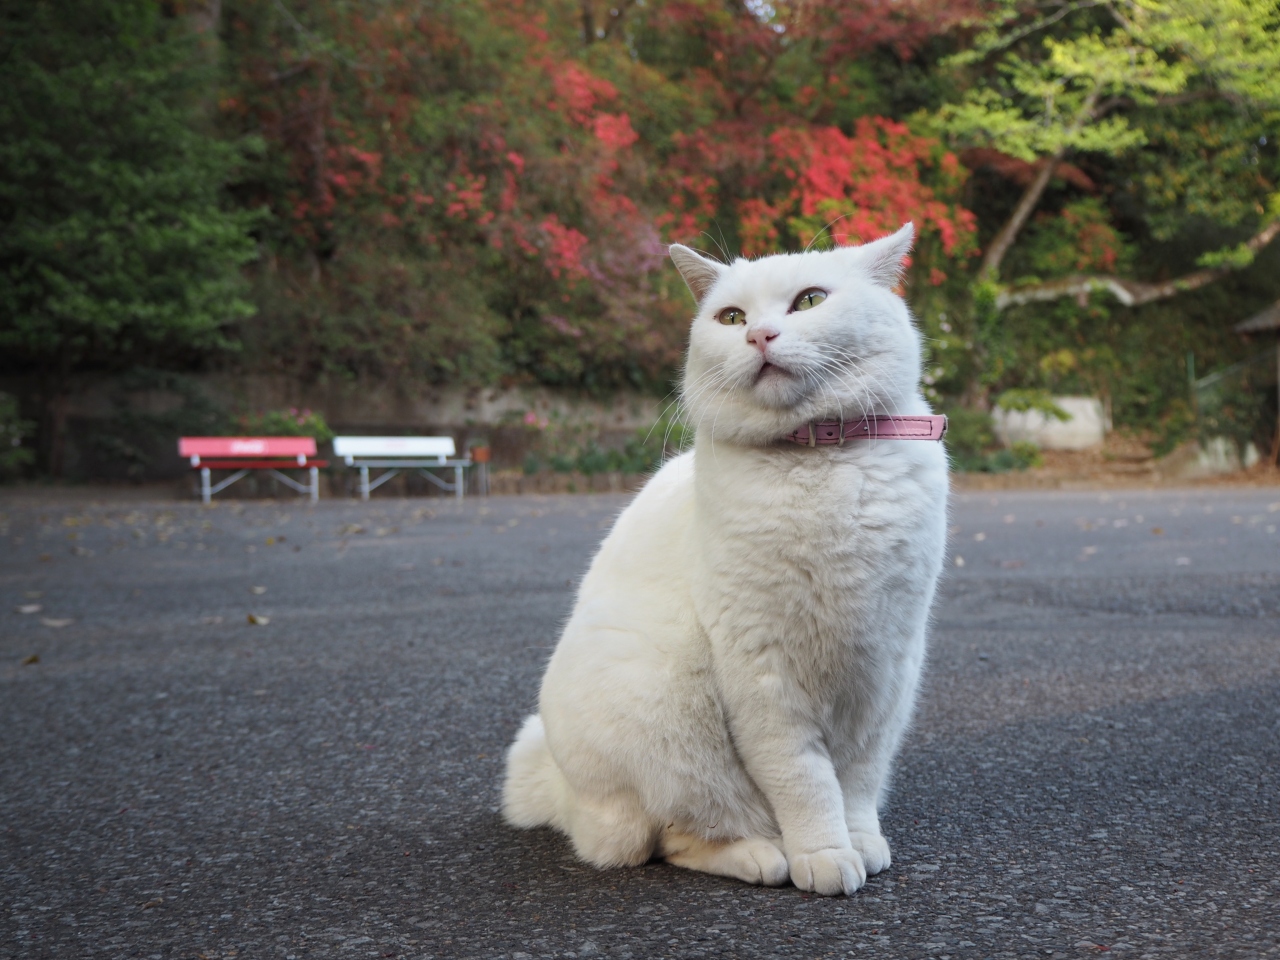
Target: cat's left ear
884,259
699,272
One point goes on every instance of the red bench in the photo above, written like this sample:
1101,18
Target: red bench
243,454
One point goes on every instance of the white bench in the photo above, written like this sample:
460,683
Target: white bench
394,454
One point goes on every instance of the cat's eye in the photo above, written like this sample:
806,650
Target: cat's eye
731,315
808,299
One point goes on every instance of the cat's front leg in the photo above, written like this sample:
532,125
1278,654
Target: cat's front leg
861,784
791,766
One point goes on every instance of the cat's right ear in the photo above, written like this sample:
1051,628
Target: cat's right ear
700,273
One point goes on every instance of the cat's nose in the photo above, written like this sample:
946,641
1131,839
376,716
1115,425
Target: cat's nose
760,337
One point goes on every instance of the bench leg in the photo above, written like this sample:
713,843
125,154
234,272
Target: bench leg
205,494
315,484
364,483
458,489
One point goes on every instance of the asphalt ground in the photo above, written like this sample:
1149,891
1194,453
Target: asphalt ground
1095,767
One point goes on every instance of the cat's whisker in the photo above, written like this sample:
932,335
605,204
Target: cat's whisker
824,229
728,258
676,404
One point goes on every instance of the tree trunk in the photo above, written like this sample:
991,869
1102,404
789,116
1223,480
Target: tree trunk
1031,196
57,399
1021,213
206,16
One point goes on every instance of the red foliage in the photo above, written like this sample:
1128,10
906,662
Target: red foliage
853,27
866,186
481,139
1020,171
577,91
615,131
564,248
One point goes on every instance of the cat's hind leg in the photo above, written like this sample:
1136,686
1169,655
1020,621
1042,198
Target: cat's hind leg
611,831
751,859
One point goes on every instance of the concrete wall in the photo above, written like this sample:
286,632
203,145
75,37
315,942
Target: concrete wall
492,415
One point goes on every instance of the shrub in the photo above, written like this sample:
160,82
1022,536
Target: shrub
284,423
13,430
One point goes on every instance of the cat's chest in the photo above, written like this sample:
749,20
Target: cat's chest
820,541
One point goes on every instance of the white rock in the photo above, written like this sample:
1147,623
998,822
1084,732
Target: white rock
1087,427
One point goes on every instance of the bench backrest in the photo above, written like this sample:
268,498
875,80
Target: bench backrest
247,446
394,446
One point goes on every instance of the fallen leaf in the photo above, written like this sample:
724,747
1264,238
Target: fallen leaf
29,608
45,557
31,659
153,903
959,561
57,622
259,590
1010,564
270,541
258,621
1158,531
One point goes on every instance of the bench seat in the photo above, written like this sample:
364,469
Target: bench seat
393,455
242,454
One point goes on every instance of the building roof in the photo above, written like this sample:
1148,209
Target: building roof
1268,319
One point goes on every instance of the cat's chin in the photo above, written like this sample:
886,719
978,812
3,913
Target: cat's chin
777,388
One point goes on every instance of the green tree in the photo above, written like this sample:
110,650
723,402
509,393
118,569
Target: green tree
117,242
1110,78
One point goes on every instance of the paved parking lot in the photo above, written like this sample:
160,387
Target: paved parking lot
1095,767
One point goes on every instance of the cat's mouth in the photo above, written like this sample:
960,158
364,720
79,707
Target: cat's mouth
769,370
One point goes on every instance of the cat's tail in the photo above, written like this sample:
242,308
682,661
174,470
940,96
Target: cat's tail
536,793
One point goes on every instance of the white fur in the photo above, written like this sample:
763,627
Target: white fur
744,653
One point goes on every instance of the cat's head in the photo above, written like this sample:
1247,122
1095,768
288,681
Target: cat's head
792,338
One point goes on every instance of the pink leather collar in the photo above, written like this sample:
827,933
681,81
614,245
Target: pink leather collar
869,428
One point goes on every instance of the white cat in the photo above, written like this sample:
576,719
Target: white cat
744,653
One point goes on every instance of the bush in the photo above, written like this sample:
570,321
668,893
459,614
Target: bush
13,430
565,450
970,434
133,443
971,442
284,423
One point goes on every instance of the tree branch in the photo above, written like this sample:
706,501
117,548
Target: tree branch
990,269
1131,293
1003,240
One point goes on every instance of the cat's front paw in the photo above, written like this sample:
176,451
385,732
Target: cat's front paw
874,849
828,872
